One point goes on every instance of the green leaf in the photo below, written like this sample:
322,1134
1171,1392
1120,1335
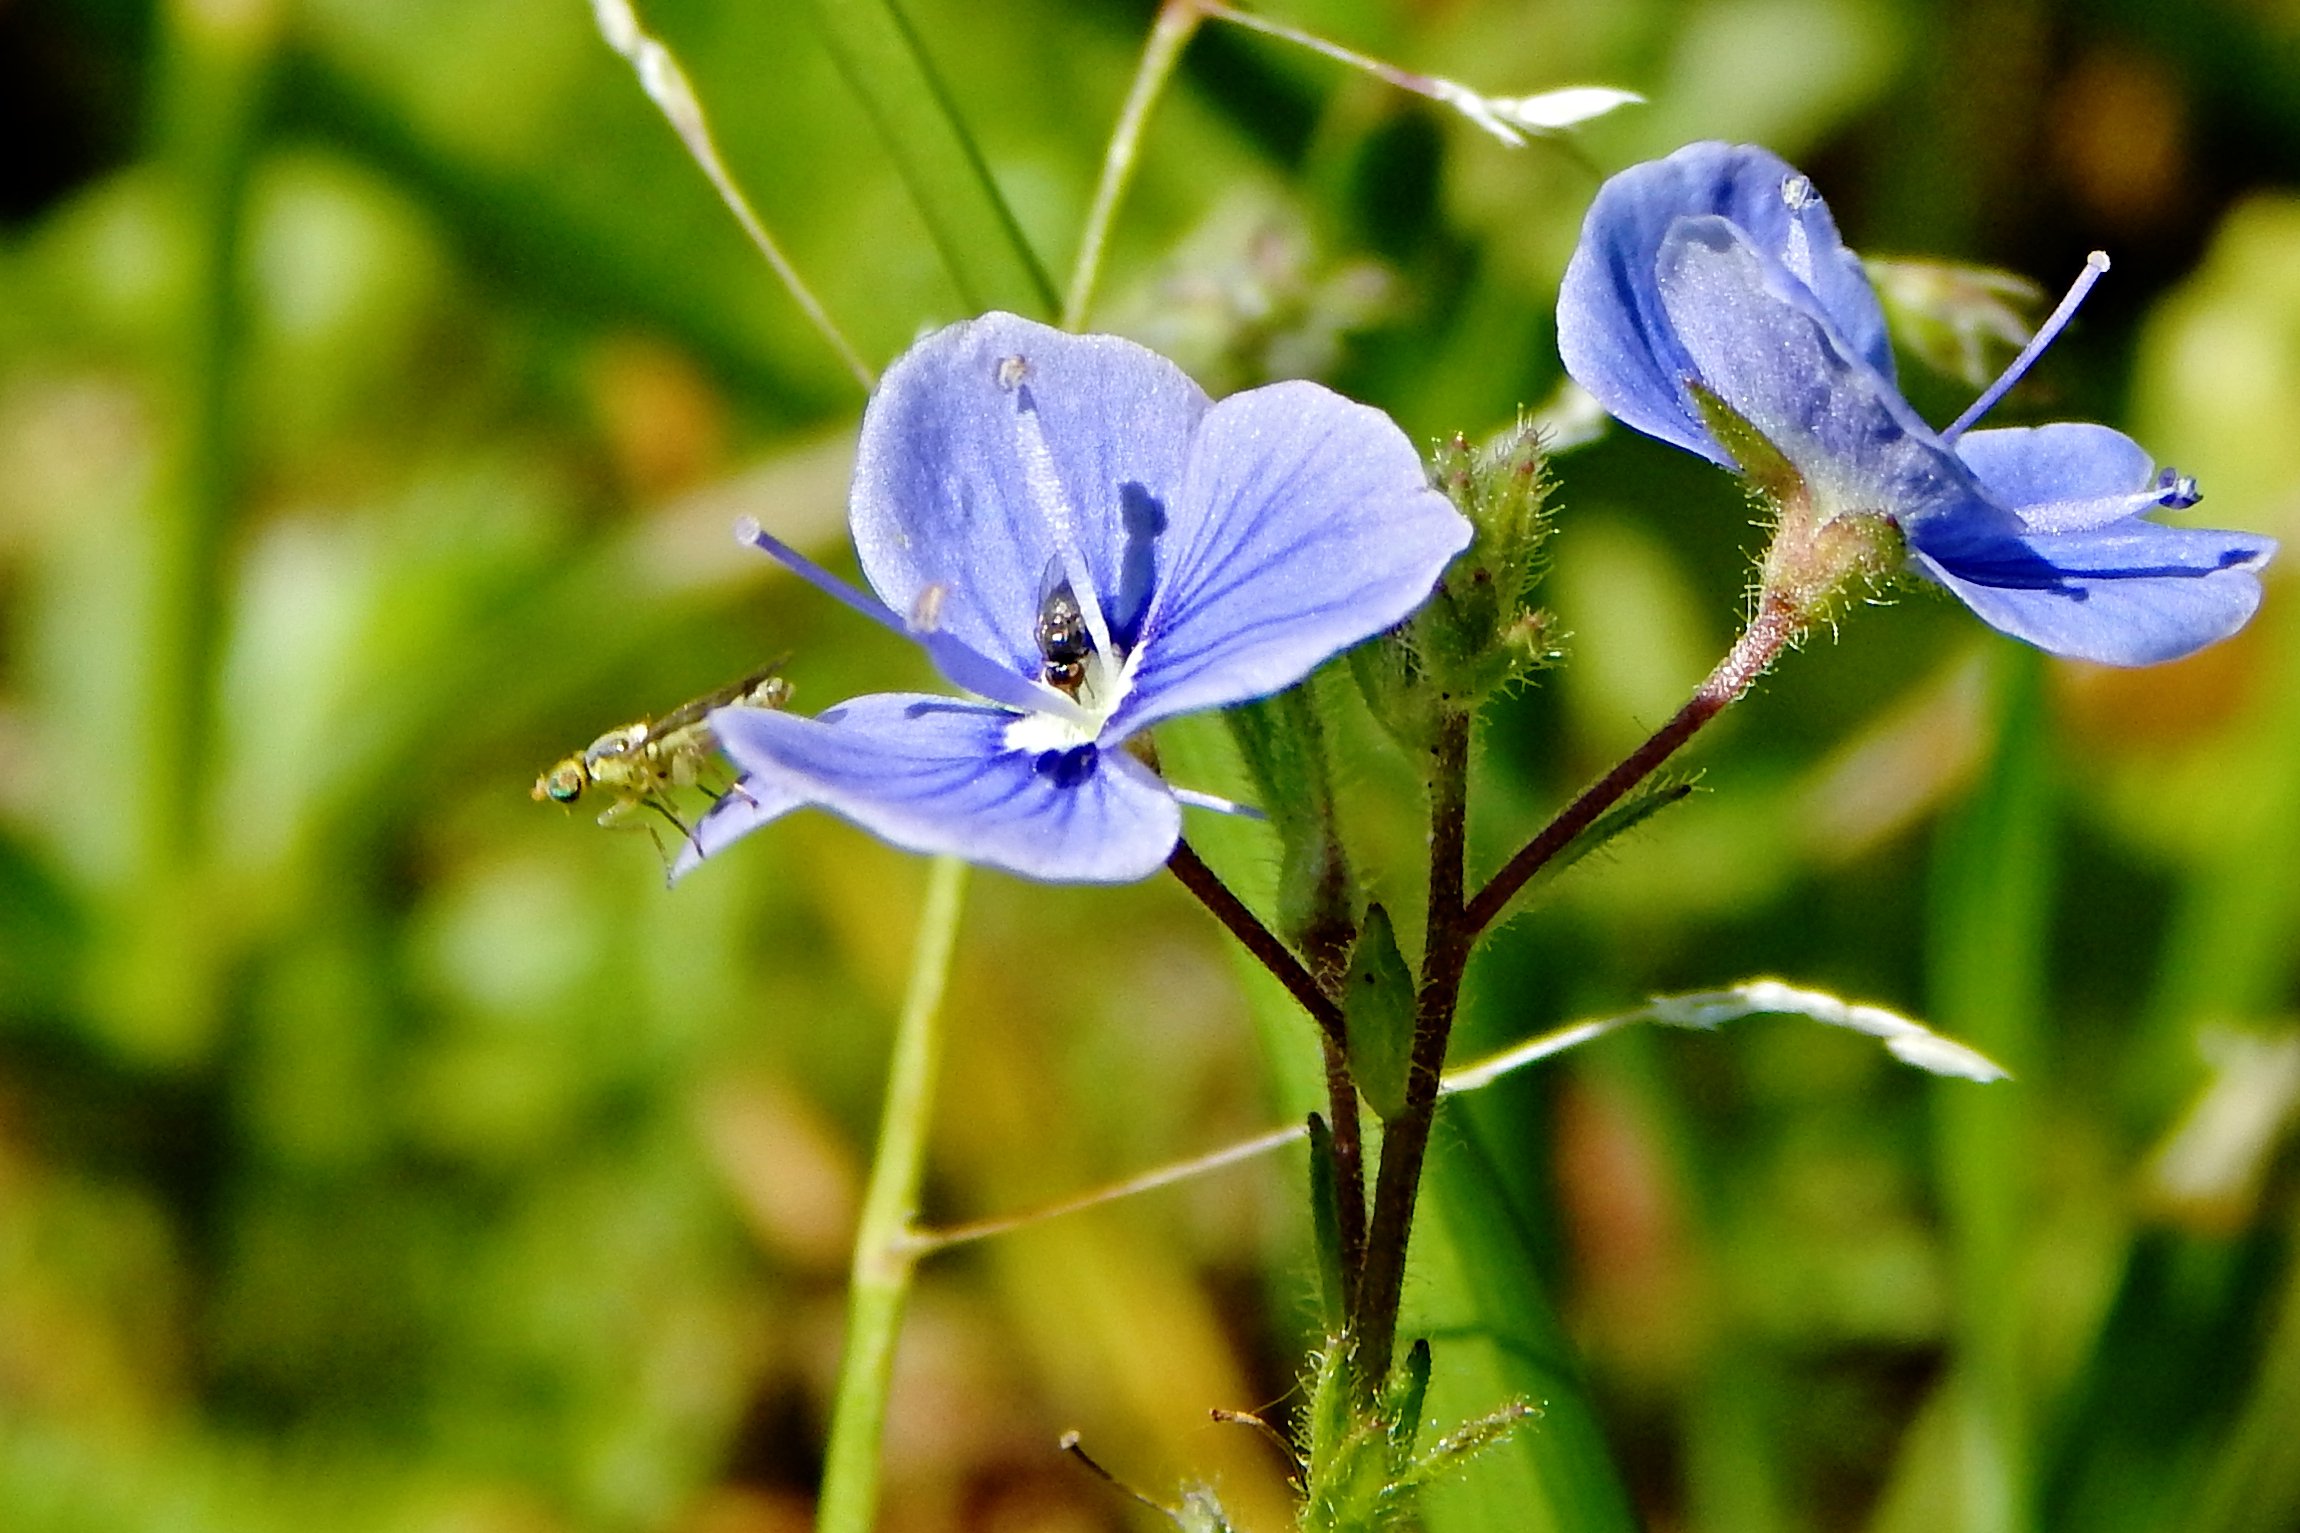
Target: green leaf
1378,1010
882,58
1406,1398
1283,740
1640,804
1991,903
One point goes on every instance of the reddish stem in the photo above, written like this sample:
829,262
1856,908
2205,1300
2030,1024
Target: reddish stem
1771,631
1259,940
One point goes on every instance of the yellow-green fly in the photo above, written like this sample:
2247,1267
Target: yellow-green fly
639,766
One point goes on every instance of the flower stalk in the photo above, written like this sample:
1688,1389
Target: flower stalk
1345,1142
1204,883
1776,626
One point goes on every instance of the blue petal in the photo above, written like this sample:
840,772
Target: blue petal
930,774
1306,523
2065,477
1759,340
2132,593
1612,330
959,662
742,809
942,490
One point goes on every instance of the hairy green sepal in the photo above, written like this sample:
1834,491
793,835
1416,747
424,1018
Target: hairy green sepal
1480,630
1283,742
1823,558
1362,1472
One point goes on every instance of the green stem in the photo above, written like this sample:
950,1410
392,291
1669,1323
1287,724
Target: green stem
1388,74
216,64
1991,916
886,1252
1702,1010
1177,23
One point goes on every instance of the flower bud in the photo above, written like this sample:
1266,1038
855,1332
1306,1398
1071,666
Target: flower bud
1479,631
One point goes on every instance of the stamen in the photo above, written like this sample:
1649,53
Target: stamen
1046,494
1797,195
1192,798
2176,491
2055,322
748,530
956,659
2087,514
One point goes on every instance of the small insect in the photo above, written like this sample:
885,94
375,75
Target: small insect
1061,632
640,765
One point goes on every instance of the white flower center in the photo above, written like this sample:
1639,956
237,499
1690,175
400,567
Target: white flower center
1104,689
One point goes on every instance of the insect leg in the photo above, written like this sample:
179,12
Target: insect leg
685,834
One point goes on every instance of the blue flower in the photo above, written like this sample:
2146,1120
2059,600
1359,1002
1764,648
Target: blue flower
1086,543
1715,278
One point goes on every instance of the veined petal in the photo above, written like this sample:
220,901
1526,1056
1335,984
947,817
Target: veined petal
742,809
934,775
943,493
1612,330
2132,593
1305,524
2066,477
1762,344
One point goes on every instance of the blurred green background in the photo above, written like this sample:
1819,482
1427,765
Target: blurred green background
378,382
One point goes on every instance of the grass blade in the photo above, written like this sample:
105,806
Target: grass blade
1991,905
1473,1290
880,54
666,85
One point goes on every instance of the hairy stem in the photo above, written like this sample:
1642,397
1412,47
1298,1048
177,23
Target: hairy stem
1775,626
1453,928
1349,1145
1259,940
1177,23
1311,991
886,1254
1405,1141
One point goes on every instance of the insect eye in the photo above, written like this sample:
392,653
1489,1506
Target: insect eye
565,784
